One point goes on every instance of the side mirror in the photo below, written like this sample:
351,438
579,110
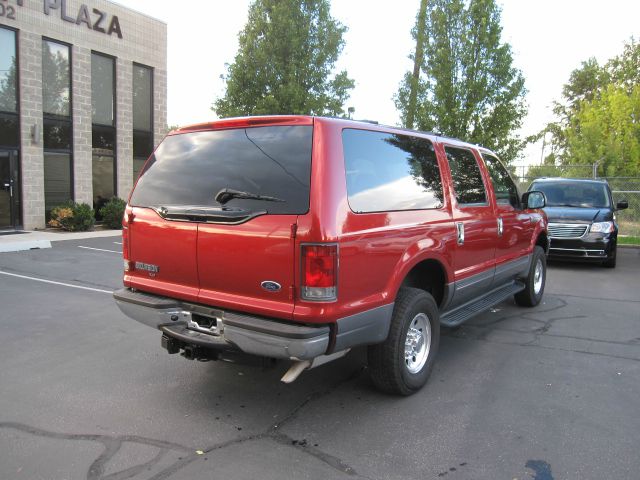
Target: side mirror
622,204
534,199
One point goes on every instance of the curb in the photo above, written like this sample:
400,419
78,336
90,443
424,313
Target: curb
31,240
24,245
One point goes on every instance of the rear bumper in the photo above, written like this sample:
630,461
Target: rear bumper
596,247
253,335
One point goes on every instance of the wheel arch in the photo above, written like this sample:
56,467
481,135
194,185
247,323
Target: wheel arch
428,274
542,240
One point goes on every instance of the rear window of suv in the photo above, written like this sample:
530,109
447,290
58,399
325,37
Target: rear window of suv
190,169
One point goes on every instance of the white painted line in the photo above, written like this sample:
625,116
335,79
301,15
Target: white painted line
55,283
100,249
118,243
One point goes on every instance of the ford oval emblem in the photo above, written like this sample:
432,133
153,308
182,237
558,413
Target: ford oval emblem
270,286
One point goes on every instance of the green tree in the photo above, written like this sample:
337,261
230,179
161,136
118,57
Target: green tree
287,53
607,131
598,119
468,86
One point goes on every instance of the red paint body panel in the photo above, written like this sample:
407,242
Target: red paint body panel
233,261
171,246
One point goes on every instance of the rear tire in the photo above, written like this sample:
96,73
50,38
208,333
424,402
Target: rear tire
403,362
535,280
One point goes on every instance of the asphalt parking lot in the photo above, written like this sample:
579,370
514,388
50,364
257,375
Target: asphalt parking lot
546,393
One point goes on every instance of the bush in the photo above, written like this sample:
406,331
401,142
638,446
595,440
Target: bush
73,217
112,213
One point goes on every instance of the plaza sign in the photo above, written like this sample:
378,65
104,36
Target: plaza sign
94,19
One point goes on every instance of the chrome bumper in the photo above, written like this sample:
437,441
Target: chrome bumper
228,331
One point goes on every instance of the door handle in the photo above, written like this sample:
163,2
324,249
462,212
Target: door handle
460,230
500,227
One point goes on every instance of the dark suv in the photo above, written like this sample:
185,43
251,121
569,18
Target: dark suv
300,238
582,219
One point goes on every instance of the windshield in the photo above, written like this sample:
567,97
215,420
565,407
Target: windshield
260,164
574,194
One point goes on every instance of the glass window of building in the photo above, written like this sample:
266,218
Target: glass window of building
103,129
10,204
8,89
142,116
57,126
8,71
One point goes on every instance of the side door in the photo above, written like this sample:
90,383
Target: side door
475,224
9,189
515,228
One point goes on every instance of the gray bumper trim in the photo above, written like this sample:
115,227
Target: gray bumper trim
253,335
365,328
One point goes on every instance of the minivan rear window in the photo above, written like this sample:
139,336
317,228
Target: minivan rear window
191,169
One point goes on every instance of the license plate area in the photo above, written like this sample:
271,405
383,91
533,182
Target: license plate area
206,322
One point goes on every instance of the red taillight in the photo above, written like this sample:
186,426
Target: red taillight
319,272
126,220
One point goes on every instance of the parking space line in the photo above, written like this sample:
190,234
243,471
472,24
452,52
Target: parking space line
118,243
100,249
35,279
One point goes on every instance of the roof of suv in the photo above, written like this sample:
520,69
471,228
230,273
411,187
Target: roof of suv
302,120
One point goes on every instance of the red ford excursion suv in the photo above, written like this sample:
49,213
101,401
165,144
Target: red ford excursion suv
299,238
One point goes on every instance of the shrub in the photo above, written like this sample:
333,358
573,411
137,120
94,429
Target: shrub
112,213
73,217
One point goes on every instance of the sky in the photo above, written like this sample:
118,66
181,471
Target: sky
549,39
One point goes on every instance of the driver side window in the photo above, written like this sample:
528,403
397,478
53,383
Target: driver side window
503,185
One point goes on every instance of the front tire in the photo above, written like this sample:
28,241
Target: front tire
611,261
535,281
404,361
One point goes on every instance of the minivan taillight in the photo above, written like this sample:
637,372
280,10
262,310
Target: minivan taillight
319,273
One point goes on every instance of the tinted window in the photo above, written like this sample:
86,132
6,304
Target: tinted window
466,176
503,185
388,172
102,91
56,78
142,86
191,168
8,130
574,194
8,71
57,179
57,134
142,144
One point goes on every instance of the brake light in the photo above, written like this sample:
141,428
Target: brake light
319,272
126,220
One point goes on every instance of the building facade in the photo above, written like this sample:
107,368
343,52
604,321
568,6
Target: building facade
83,90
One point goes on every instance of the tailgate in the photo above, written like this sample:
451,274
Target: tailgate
248,266
162,255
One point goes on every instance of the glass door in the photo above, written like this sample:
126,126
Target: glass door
9,189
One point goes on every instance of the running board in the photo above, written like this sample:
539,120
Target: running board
461,314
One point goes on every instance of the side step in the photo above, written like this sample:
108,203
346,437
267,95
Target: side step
463,313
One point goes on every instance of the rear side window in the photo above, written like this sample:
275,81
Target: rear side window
387,172
466,176
191,168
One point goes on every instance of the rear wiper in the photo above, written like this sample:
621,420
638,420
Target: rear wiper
226,194
206,214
